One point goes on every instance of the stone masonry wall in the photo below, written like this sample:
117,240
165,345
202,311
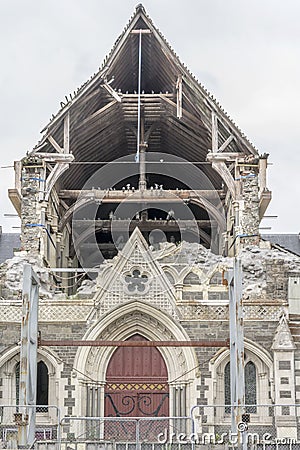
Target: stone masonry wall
249,217
32,173
261,333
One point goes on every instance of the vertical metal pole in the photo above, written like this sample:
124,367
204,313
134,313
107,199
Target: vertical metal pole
28,358
233,361
237,382
58,429
138,434
142,181
137,156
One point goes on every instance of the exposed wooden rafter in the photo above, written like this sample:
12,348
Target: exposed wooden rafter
215,136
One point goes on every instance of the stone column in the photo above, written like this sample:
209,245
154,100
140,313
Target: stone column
179,289
249,207
32,183
284,376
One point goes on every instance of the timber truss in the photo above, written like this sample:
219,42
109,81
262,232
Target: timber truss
142,102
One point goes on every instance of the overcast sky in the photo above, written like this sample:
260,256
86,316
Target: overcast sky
246,53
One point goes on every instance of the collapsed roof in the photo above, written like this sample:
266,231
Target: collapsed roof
103,112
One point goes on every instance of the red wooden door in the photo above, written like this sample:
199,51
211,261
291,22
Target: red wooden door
137,383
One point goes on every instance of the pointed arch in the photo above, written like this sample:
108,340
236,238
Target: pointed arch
9,370
258,379
251,386
122,323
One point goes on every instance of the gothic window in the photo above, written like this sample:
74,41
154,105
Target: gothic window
170,277
191,278
42,393
217,279
250,387
136,282
17,372
227,387
42,384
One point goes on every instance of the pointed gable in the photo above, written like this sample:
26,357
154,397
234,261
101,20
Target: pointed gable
135,275
103,111
283,339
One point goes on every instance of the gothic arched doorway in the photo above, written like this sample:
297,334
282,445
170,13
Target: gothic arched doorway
136,383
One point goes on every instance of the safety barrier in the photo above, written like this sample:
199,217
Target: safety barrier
15,420
121,433
257,427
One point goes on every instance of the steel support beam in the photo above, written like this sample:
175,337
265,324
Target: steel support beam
237,382
26,417
78,343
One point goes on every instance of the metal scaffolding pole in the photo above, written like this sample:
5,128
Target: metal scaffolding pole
138,137
237,382
26,417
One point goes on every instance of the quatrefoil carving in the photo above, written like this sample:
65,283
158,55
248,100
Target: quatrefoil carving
136,282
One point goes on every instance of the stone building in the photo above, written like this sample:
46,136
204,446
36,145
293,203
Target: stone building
133,205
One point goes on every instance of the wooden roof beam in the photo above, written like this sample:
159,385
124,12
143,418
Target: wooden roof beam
215,136
120,195
96,114
111,91
148,224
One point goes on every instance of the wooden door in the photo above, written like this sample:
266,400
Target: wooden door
137,383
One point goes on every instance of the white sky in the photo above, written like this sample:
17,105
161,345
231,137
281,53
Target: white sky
247,53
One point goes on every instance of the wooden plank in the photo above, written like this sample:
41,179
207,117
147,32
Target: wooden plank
111,91
67,133
148,225
83,90
55,144
96,114
57,171
264,201
15,198
224,172
214,132
179,96
184,111
141,31
120,195
226,143
56,157
228,156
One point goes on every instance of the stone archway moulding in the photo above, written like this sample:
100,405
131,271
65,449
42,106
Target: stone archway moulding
121,323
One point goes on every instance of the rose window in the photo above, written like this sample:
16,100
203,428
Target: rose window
136,282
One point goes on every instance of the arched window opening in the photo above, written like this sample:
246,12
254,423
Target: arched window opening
250,388
227,387
17,372
42,388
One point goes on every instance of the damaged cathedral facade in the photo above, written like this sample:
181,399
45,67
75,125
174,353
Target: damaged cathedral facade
133,206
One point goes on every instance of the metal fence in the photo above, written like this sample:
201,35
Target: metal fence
13,419
260,427
122,433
